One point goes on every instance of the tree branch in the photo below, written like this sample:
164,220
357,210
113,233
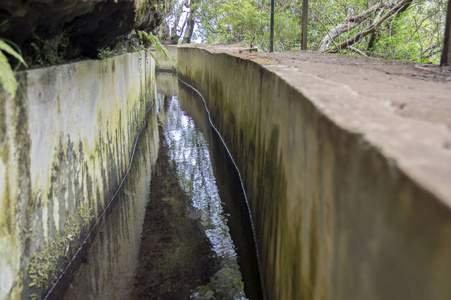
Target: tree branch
370,29
349,24
357,51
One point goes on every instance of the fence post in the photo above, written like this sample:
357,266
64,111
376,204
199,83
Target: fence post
446,54
305,24
271,33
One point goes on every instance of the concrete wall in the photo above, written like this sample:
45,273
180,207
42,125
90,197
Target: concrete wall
335,216
65,143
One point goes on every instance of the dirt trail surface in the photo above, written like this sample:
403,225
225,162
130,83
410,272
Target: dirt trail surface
403,109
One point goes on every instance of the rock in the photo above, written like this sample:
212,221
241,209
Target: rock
74,28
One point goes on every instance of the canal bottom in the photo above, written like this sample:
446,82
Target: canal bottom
177,230
197,238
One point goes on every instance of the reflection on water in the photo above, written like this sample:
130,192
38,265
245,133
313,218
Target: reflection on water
208,176
188,148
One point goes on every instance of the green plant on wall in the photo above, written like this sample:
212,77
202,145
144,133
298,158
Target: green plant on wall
158,45
7,77
51,51
45,266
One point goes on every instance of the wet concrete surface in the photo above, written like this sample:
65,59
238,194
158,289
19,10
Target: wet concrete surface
105,266
209,250
179,229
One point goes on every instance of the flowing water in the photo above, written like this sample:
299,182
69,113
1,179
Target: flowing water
208,176
214,201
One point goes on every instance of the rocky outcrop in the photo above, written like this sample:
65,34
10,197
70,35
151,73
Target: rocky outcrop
73,28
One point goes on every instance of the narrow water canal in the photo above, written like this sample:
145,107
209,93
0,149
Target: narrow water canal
196,238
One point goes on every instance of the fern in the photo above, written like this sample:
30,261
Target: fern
156,42
7,78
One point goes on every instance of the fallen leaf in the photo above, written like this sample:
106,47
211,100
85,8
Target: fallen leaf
250,57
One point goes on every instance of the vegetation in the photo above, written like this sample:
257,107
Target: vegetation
134,42
390,29
7,77
47,263
143,36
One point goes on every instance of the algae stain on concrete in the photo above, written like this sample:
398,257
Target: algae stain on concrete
44,265
272,198
43,180
4,149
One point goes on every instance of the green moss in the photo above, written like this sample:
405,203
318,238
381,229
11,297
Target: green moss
21,141
170,258
47,263
141,13
175,204
52,51
5,208
4,149
314,246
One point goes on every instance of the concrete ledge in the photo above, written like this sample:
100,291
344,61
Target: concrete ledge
350,199
65,144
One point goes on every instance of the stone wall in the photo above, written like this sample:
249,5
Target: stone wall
336,217
65,144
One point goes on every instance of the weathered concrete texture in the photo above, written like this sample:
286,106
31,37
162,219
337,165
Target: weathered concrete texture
108,270
349,201
162,62
65,144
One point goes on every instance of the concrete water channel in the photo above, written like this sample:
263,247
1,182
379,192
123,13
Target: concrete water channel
345,165
179,229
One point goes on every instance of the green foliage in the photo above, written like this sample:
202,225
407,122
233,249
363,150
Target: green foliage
7,77
235,21
158,45
51,51
128,193
414,33
106,52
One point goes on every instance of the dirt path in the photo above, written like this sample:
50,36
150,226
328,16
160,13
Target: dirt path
416,91
410,90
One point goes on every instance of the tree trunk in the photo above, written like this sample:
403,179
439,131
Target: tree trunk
373,39
191,21
164,32
174,36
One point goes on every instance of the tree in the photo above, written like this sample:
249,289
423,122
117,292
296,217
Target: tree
379,12
391,29
179,25
190,21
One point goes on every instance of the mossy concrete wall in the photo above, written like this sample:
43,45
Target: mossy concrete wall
65,144
335,216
